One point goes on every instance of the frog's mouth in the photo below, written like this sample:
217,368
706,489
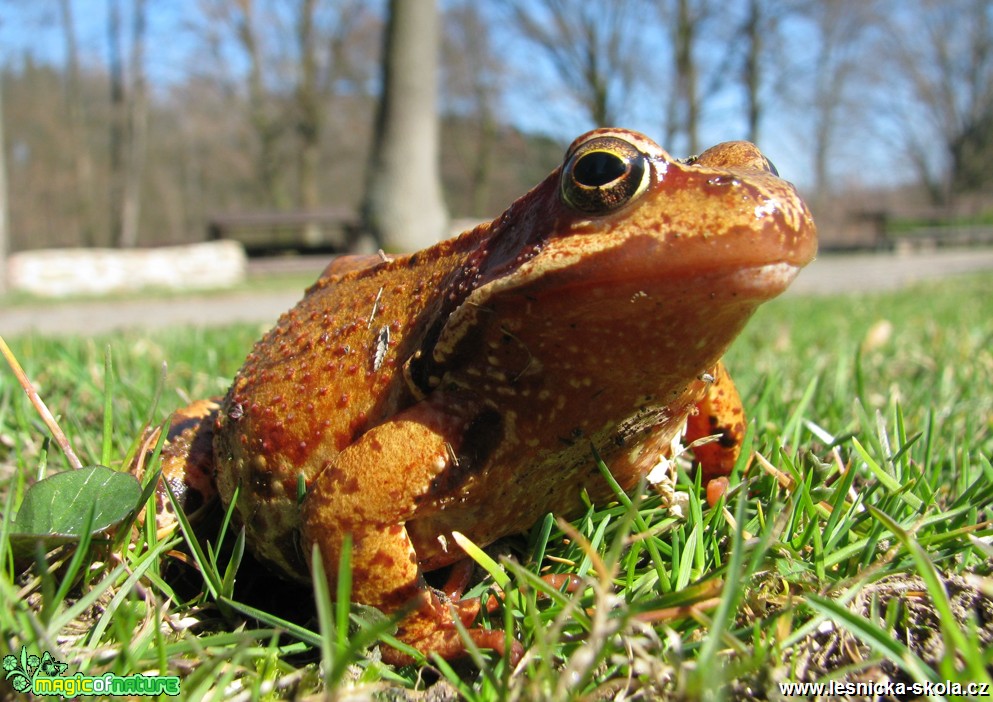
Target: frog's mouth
763,281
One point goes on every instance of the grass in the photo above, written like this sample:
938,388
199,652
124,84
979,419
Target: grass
905,225
854,547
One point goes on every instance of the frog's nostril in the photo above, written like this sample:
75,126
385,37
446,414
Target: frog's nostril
598,168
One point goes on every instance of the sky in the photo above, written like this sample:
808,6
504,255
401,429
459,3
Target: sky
531,106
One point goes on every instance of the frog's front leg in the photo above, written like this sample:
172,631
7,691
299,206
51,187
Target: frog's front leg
718,412
367,493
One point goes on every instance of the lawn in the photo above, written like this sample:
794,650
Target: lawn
854,547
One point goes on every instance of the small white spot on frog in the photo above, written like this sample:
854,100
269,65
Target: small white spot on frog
439,463
493,360
639,294
443,542
766,208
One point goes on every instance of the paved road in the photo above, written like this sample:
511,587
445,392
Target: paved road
828,275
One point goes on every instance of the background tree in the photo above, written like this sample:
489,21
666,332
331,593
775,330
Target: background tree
128,121
76,117
238,22
403,207
841,54
4,215
594,49
136,130
763,65
940,60
473,77
269,104
309,111
685,19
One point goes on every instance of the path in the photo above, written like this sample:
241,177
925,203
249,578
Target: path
829,274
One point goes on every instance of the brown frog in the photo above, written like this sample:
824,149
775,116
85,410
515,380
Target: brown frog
461,388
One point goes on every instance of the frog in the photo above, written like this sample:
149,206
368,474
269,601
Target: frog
469,388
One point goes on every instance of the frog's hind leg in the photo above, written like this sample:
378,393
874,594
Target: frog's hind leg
719,413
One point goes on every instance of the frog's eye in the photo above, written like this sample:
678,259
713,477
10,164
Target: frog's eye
604,174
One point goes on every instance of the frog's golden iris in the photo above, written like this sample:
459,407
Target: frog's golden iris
603,174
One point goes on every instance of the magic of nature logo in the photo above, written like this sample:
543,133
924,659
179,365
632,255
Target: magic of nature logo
29,673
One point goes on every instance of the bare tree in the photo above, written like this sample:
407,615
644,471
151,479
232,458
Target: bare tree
115,65
136,127
763,65
4,213
472,86
75,111
838,67
696,75
308,108
128,121
314,86
243,25
941,97
683,108
593,47
403,207
295,55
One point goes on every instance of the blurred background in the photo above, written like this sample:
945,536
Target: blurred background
141,122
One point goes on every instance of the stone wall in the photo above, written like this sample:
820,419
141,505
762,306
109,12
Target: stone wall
66,272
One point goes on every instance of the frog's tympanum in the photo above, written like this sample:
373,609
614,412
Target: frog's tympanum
462,387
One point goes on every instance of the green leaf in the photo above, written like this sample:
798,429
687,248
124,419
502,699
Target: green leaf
59,506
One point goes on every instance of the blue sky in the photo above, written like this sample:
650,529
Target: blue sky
532,104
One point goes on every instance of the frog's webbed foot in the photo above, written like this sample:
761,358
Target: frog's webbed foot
430,627
719,412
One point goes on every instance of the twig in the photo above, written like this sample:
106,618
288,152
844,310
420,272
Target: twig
39,405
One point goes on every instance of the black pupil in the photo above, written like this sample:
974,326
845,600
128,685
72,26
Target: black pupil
598,168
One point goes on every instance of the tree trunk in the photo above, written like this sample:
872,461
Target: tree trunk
268,127
137,127
4,218
308,124
753,35
117,118
403,207
76,117
686,74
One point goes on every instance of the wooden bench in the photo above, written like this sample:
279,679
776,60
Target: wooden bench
329,229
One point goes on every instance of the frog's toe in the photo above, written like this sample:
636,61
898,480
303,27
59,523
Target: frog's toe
432,628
